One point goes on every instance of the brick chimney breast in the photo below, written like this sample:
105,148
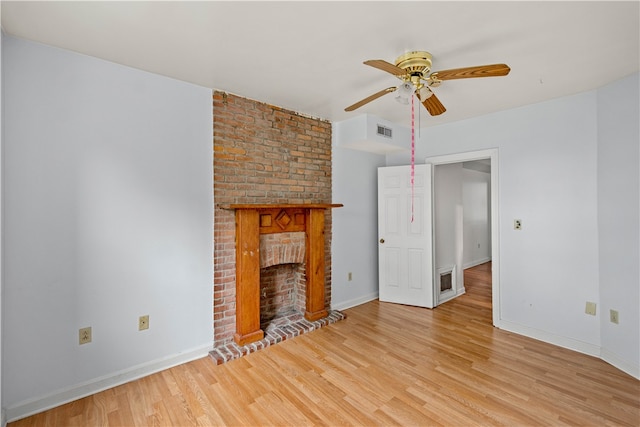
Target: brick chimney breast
262,155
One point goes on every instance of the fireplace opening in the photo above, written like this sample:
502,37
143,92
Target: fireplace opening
280,293
282,280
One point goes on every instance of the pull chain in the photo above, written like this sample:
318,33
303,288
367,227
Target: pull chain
413,149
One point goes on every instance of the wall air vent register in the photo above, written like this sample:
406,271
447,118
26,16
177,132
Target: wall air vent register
385,131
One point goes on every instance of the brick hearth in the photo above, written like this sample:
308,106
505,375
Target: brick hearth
283,328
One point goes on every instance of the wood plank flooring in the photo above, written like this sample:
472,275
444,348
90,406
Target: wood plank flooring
385,364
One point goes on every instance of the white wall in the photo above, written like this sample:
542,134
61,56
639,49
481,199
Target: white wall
618,221
355,226
476,196
108,216
551,177
547,169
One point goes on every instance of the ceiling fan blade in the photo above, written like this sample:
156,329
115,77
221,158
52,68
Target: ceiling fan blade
385,66
430,101
370,98
493,70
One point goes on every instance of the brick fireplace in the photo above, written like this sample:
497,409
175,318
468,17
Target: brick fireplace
263,155
253,222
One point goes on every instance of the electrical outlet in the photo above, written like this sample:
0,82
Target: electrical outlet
590,308
84,335
613,316
517,224
143,322
350,276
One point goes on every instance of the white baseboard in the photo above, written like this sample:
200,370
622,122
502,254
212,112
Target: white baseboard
60,397
354,302
625,366
3,418
476,262
560,341
575,345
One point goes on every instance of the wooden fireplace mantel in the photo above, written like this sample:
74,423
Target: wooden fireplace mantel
282,205
255,219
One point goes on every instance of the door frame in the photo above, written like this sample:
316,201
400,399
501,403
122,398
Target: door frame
491,154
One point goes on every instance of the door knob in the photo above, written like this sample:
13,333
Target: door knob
381,240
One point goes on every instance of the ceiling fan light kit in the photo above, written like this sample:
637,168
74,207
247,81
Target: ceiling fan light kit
413,69
405,92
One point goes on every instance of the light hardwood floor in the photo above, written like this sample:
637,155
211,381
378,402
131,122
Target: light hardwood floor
385,364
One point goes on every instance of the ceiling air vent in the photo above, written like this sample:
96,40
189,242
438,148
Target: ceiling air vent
384,131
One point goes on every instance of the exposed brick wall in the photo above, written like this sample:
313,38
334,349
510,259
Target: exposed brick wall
262,154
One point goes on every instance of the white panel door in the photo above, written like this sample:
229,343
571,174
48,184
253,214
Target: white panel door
405,260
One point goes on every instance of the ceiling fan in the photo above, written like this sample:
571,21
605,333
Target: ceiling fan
413,69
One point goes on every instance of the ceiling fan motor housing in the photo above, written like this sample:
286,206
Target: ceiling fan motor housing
415,63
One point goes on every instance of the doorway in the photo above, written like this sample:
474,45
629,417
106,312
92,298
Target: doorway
451,230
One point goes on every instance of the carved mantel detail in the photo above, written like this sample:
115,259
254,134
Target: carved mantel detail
255,219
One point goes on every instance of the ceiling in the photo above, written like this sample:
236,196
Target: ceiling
307,56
